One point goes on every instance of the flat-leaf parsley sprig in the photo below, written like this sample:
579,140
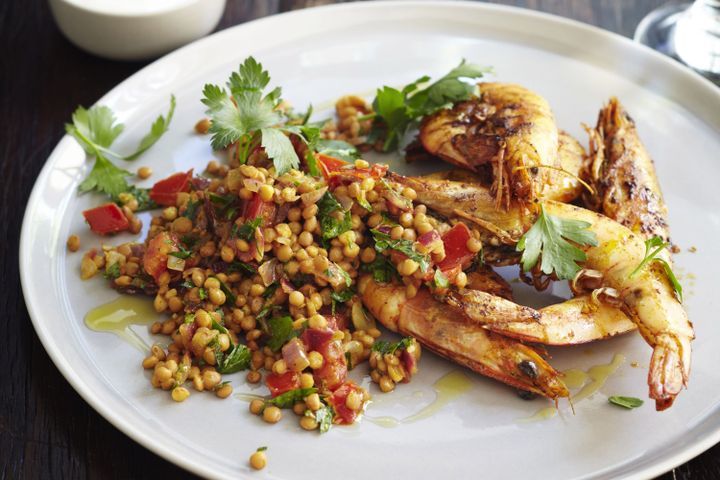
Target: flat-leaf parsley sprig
244,115
549,236
96,129
398,111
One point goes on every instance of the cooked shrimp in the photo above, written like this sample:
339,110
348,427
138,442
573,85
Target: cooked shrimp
508,127
647,297
446,331
623,175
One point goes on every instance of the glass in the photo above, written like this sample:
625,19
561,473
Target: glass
688,32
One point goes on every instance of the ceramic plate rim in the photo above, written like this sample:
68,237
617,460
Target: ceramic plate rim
58,357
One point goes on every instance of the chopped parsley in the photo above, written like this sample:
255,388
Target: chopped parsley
334,220
440,280
113,271
323,416
241,267
625,402
235,359
231,297
246,231
183,253
549,235
291,397
382,269
653,247
383,242
281,330
384,347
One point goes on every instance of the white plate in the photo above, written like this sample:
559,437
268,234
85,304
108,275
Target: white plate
317,55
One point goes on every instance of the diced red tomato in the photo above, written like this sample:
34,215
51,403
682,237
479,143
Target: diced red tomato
314,337
156,255
279,384
255,208
335,170
105,219
334,370
456,251
343,414
165,191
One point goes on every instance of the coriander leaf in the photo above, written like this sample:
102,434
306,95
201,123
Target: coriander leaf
389,347
237,358
549,235
142,195
324,417
105,177
94,128
336,271
202,293
382,269
291,397
626,402
189,318
261,449
241,267
651,255
280,149
231,297
157,130
389,105
383,242
243,112
247,230
281,330
449,89
112,272
343,296
440,280
270,290
216,326
329,209
183,253
337,149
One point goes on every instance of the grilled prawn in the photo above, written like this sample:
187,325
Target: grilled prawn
448,332
647,297
623,175
507,127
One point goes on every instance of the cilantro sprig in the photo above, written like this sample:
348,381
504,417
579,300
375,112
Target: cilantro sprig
549,236
653,247
397,111
334,220
244,114
96,129
384,347
383,242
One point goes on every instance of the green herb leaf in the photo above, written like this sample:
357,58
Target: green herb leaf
343,296
324,417
382,269
440,280
157,130
329,209
237,358
189,317
106,178
241,267
337,149
247,230
653,247
142,195
94,128
388,347
549,235
281,331
202,293
626,402
291,397
261,449
183,253
383,242
216,326
113,271
279,147
270,290
229,295
399,110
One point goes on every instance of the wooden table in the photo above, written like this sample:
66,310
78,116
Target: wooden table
46,429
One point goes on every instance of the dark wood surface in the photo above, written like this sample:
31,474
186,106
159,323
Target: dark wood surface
46,429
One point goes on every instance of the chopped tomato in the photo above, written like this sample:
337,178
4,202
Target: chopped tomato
279,384
335,170
156,255
108,218
255,208
334,370
343,414
165,191
456,251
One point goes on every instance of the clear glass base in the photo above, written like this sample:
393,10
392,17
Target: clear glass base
686,32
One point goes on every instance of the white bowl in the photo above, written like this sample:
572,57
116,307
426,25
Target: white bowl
135,29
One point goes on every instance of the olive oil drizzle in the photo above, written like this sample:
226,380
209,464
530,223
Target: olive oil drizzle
118,316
